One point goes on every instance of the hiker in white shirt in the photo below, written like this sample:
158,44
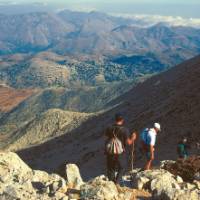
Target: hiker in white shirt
148,143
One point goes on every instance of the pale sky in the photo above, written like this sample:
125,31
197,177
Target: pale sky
188,2
183,8
111,1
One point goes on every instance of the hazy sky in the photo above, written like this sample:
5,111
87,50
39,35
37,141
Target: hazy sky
184,8
110,1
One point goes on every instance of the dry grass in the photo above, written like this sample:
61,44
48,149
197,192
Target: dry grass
136,194
141,194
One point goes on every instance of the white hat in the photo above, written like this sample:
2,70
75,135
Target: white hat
157,126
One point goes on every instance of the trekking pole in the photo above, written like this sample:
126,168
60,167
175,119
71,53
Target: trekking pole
132,156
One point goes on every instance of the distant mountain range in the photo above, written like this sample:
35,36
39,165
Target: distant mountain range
68,48
94,32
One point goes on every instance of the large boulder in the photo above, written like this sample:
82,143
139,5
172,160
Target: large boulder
74,179
19,181
154,179
11,166
48,183
164,185
99,189
164,182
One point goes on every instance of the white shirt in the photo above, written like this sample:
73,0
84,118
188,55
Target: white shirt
152,136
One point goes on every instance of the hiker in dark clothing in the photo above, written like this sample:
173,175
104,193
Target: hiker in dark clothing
116,140
182,148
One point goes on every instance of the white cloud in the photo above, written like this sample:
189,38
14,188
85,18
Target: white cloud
81,8
149,20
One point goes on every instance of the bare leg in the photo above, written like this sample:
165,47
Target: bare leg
148,165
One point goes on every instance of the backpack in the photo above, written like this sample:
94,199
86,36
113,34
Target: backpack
181,149
114,146
145,140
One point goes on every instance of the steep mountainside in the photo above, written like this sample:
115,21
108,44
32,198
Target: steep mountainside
171,98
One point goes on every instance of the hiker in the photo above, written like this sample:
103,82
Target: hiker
116,141
182,148
148,138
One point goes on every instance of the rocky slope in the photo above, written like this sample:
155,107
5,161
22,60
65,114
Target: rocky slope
19,181
171,98
48,125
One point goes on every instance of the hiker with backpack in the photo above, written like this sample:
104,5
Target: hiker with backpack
116,141
148,139
183,148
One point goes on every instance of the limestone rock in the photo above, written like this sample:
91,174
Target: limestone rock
143,180
18,181
197,183
142,183
162,185
11,166
164,182
98,189
58,186
163,163
190,186
40,176
179,179
74,179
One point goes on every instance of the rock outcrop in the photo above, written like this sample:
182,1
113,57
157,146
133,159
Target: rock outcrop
73,176
48,125
19,181
188,169
165,185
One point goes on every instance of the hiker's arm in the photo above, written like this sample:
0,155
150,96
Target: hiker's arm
131,140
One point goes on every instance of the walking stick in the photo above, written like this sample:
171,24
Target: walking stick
132,156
